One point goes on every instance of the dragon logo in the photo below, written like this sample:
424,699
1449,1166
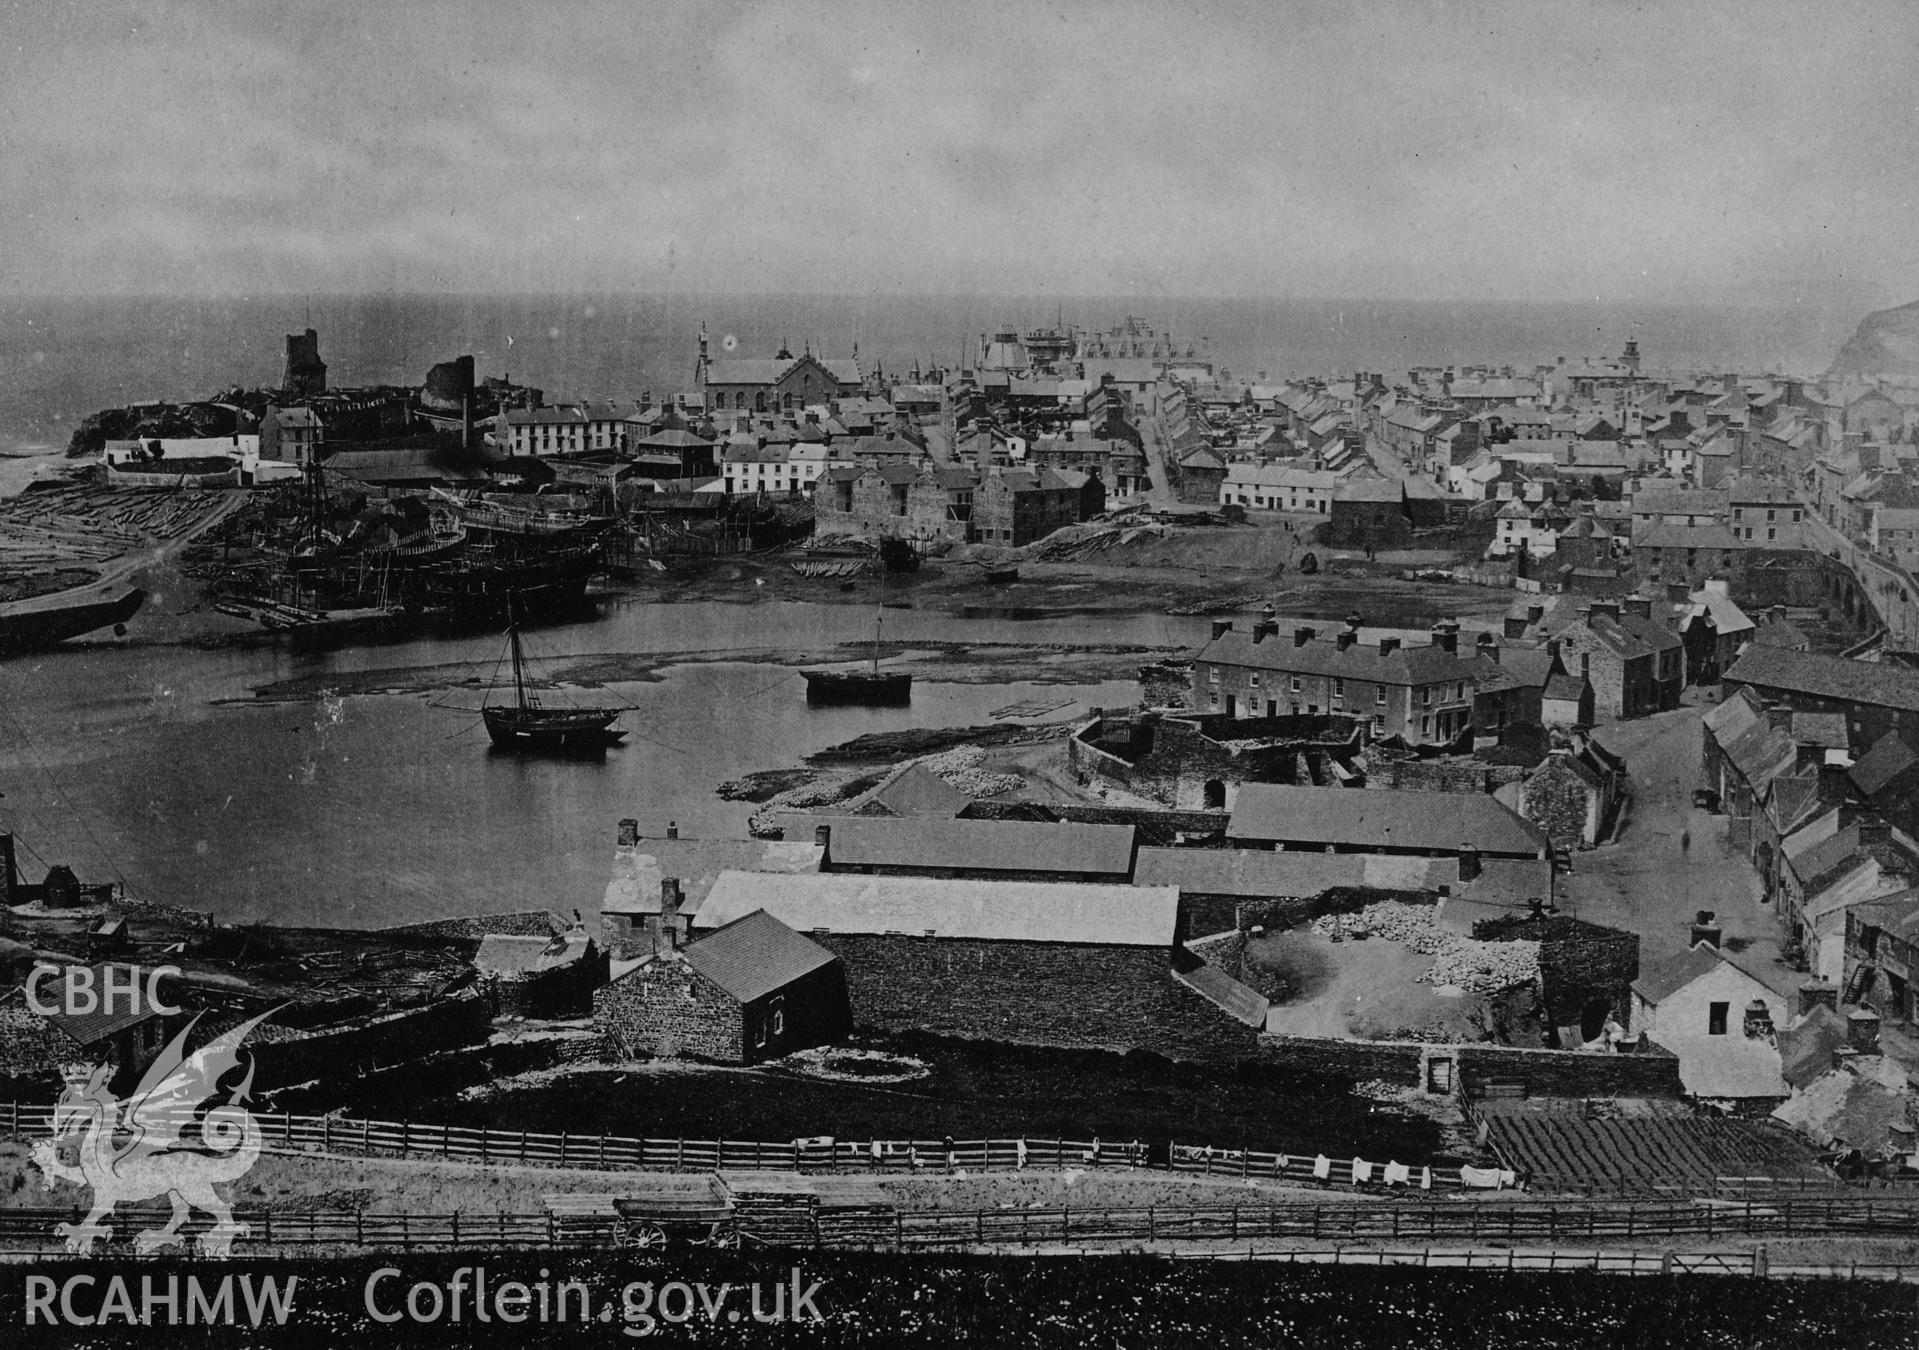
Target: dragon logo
176,1136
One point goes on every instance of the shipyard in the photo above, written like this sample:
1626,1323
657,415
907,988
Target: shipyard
1028,678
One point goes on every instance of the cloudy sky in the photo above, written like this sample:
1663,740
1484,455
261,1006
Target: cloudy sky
1611,151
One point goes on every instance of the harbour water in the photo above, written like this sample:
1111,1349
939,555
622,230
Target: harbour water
154,766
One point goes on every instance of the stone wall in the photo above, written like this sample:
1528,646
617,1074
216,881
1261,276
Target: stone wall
1032,993
396,1038
1579,963
1153,828
1290,911
1431,775
1196,760
1566,1073
1560,802
667,1009
521,923
1395,1062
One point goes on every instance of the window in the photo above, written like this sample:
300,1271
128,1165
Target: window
1771,516
1379,696
1212,674
1339,688
1255,679
1716,1018
1426,694
1771,533
1295,684
779,1015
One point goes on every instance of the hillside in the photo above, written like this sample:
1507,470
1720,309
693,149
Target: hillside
1885,343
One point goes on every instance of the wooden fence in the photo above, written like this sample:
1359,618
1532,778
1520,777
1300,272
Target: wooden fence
331,1134
901,1230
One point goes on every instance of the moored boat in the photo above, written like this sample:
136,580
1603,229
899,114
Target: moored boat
872,686
526,725
33,625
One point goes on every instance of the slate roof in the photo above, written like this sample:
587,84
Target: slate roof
1002,911
915,790
1662,979
1780,633
1236,1000
749,370
85,1029
1825,730
1442,821
755,955
697,863
1806,1046
998,845
1256,873
511,955
1685,536
1359,661
1369,490
1886,760
1831,677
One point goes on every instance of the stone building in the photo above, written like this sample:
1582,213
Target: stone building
783,384
1000,850
305,373
1196,761
541,976
1423,695
658,883
1574,793
1341,820
1034,963
1369,513
750,990
1874,697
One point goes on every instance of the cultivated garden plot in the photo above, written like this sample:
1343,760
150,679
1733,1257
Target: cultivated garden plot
1564,1152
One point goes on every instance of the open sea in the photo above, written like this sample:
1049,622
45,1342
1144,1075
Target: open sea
62,359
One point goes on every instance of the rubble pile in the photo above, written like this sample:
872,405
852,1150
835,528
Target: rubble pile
960,767
1465,963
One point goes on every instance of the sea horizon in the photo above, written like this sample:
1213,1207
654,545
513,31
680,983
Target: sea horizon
63,357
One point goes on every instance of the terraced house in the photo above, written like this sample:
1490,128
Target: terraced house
1423,695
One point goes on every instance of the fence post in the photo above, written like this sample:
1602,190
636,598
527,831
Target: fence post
602,1150
359,1227
679,1156
456,1227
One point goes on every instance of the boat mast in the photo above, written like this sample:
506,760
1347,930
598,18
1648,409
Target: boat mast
513,642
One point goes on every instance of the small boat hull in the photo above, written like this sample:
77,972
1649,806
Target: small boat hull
868,688
34,625
553,729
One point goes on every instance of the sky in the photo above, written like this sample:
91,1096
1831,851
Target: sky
1746,152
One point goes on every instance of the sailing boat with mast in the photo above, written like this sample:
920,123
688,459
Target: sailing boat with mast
525,724
872,687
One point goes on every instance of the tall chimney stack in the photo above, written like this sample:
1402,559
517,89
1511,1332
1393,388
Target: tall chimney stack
1705,929
629,832
671,898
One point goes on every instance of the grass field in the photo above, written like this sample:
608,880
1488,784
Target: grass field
974,1091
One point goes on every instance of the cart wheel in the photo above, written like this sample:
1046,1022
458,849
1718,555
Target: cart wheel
644,1235
727,1239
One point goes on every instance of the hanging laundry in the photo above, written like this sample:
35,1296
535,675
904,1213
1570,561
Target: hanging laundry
1322,1167
1398,1174
1509,1178
1362,1171
1425,1178
1480,1178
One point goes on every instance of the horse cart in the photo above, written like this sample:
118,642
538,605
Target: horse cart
676,1212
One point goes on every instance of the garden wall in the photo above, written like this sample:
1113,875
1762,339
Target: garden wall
1033,993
